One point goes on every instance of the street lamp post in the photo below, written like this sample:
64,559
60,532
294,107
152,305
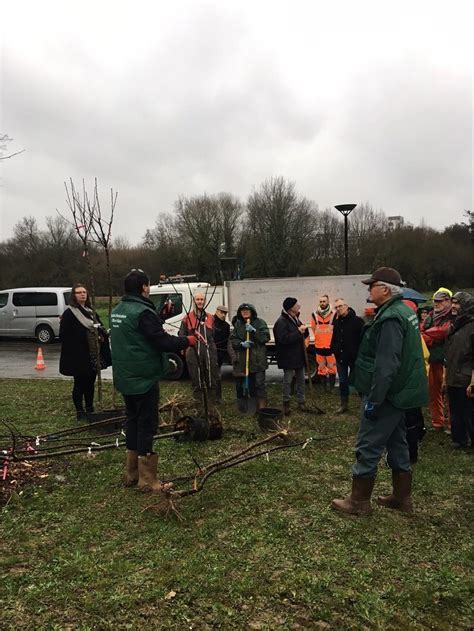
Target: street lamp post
345,209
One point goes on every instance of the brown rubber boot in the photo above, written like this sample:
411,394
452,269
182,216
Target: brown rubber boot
147,470
344,405
302,407
286,408
130,477
358,502
400,498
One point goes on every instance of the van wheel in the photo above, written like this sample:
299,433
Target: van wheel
178,372
44,334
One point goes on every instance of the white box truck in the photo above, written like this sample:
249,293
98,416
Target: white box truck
266,294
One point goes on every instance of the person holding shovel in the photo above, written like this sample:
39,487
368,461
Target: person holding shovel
290,335
248,339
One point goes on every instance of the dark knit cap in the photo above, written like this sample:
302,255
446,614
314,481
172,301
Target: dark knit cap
288,303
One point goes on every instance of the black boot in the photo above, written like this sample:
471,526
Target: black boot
344,405
81,415
332,382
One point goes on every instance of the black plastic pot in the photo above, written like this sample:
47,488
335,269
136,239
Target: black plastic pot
194,428
117,420
268,419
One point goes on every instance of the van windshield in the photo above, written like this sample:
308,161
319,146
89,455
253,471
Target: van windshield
3,300
67,295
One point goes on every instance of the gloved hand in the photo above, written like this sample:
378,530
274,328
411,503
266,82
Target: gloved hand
370,411
249,328
246,344
192,341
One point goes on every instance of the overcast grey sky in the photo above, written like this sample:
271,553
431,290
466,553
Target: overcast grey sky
353,101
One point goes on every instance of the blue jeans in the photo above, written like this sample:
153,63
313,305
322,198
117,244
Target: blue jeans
387,431
287,379
343,374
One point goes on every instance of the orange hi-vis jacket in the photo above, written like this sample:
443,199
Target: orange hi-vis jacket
322,330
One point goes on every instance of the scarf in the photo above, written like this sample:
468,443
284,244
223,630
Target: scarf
87,321
324,312
440,317
295,319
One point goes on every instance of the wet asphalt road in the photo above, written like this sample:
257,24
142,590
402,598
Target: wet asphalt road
18,359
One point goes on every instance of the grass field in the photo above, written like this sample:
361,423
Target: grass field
259,548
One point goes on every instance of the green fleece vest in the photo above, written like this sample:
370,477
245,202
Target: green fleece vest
136,364
409,389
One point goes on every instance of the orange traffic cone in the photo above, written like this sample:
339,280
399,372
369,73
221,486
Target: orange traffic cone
40,365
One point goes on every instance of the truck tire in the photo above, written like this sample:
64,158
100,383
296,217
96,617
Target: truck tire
44,334
179,371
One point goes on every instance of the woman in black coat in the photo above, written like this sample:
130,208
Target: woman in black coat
79,350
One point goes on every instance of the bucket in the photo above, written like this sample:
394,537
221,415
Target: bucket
268,419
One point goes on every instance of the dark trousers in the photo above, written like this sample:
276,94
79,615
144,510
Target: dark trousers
415,423
256,385
387,431
460,409
343,369
83,389
142,420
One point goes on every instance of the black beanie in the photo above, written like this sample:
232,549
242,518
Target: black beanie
288,303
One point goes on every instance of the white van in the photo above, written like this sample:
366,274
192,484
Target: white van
33,312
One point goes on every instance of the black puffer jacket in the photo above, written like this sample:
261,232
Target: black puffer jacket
346,335
289,342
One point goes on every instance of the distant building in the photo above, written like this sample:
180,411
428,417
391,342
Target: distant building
395,222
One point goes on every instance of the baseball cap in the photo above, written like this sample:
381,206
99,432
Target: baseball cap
385,275
442,293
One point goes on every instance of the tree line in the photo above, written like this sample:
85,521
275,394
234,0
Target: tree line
276,232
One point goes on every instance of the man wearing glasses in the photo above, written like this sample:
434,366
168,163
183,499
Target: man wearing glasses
345,341
390,376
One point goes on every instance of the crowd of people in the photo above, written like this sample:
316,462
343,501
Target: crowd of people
398,361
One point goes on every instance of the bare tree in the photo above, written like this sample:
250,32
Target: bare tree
4,139
282,227
101,232
83,212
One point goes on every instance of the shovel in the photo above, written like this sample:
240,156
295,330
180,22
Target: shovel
247,404
316,409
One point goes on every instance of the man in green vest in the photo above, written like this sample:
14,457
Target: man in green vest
139,360
390,376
